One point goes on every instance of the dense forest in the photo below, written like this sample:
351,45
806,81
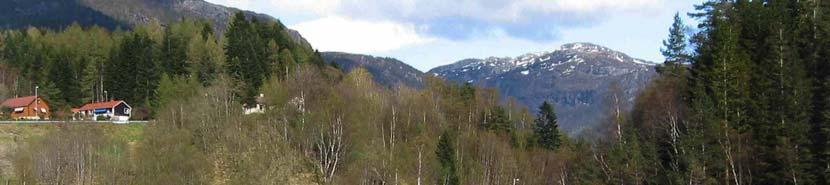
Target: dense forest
744,98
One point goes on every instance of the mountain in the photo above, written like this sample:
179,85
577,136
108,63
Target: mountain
386,71
577,78
114,14
52,14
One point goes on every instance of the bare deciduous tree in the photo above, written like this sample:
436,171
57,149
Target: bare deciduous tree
330,149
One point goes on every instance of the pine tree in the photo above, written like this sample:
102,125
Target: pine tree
547,128
446,158
675,49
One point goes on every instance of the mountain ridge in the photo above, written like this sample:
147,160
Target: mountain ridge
387,71
114,14
577,78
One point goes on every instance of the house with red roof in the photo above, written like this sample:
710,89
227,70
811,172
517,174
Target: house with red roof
114,110
27,108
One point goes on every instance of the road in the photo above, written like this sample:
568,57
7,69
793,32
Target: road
72,122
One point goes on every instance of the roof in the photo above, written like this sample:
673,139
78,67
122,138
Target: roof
18,102
100,105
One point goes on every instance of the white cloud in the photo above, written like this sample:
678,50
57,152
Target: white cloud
527,19
478,9
335,33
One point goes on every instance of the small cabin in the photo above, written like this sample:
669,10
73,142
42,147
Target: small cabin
114,110
27,108
258,108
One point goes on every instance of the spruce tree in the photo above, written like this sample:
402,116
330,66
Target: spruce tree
133,74
547,128
815,37
247,60
446,158
496,120
173,51
64,79
781,96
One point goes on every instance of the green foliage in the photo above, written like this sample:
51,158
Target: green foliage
674,48
547,128
206,57
174,51
496,120
749,105
133,72
62,75
252,53
172,88
446,157
286,62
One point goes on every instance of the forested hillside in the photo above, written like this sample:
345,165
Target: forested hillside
742,100
78,65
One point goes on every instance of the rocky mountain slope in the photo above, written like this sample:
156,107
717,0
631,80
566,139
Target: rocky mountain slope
386,71
578,78
117,13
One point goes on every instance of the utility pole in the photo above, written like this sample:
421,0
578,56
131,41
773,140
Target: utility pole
37,101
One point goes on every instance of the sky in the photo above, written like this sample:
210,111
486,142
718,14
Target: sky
431,33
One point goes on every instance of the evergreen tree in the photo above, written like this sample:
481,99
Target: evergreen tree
91,77
65,80
207,30
48,90
815,41
133,74
675,48
446,158
496,120
173,51
547,128
247,59
779,112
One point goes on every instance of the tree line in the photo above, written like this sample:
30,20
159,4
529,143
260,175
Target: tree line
78,65
742,99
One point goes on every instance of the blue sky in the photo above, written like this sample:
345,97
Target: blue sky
430,33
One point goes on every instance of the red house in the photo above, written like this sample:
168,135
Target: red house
27,108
